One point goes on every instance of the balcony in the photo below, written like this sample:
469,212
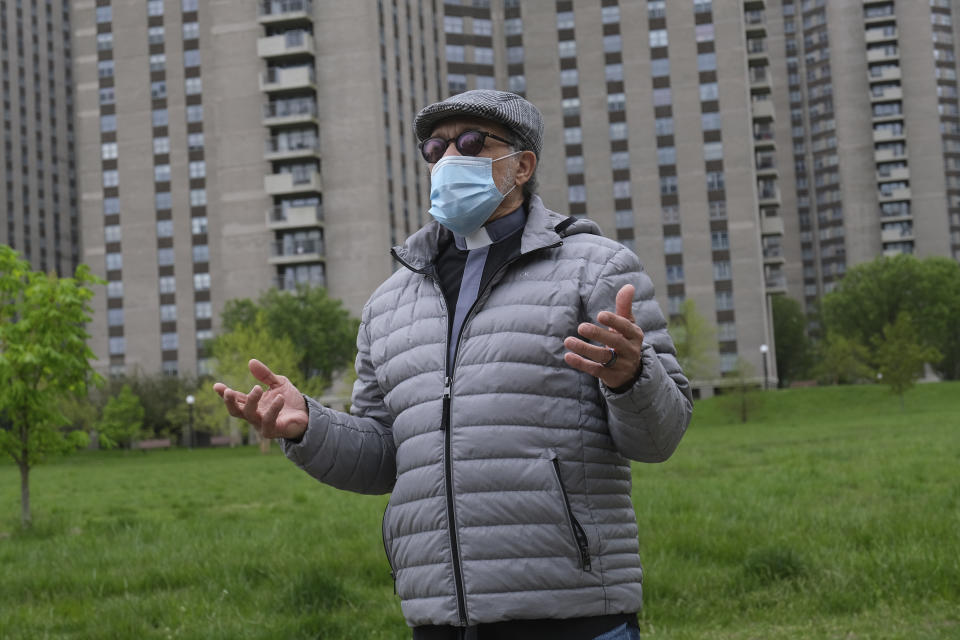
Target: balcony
290,283
762,109
766,165
279,218
887,155
896,235
759,78
771,226
776,284
751,5
756,50
889,93
763,137
281,148
293,251
277,184
884,54
285,11
902,193
767,196
291,43
755,23
884,74
882,34
281,113
288,78
900,174
886,134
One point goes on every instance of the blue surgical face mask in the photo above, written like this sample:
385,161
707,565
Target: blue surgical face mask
463,194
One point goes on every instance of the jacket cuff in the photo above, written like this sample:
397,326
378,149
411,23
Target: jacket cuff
638,395
296,449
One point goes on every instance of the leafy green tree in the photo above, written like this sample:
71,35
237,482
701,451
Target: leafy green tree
43,358
122,420
873,294
793,350
696,342
842,361
318,326
900,356
233,350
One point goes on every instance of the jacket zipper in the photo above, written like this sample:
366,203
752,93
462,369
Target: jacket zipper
445,419
579,535
386,551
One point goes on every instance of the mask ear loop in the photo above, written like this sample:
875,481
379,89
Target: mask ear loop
508,156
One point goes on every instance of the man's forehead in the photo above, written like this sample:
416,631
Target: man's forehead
454,126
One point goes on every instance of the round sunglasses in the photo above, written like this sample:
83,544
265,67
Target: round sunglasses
468,143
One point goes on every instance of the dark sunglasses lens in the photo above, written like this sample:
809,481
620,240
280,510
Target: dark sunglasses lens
433,149
470,143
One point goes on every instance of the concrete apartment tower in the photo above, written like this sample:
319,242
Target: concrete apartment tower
39,190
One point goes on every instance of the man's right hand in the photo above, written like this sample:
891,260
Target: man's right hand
278,412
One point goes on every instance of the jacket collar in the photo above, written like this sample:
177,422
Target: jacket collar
419,252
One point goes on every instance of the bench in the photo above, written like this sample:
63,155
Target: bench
220,441
158,443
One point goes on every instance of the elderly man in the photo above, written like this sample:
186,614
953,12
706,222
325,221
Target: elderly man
504,438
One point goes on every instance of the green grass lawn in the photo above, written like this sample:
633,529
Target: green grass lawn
831,514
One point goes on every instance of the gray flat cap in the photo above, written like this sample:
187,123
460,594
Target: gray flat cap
519,116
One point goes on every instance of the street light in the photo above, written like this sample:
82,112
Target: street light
764,349
190,401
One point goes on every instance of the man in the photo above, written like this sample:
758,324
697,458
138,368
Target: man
503,437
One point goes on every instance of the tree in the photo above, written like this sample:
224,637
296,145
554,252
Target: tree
234,349
318,326
793,350
696,342
873,294
842,361
900,357
43,357
122,420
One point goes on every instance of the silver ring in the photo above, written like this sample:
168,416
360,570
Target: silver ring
613,358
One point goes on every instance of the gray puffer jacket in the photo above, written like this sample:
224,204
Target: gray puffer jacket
510,475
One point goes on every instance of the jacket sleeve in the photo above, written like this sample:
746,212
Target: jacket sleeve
353,451
648,420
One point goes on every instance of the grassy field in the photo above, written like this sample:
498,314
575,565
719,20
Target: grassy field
831,514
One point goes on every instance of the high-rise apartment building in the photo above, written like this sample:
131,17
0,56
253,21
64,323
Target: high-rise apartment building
743,148
39,189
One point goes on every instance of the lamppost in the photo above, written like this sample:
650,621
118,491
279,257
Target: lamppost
190,401
764,349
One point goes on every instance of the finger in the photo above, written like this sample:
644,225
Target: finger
587,350
220,388
612,339
582,364
262,373
623,326
625,302
234,402
268,422
251,408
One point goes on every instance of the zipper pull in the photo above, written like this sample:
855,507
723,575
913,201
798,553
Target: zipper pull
445,418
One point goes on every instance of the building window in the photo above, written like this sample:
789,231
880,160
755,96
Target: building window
158,62
203,310
482,27
198,225
517,84
724,300
572,135
104,14
710,121
612,43
666,155
613,72
456,82
718,209
168,313
668,185
155,35
201,253
118,346
115,289
715,181
198,169
483,55
191,30
704,32
154,7
165,257
191,58
618,130
201,281
574,164
160,117
663,126
193,86
167,284
565,20
621,189
610,15
513,26
452,24
708,92
624,218
161,173
567,48
569,78
195,113
721,270
168,341
189,5
114,261
163,201
660,67
620,160
104,41
672,244
195,142
455,53
108,123
164,228
662,97
658,38
112,233
674,273
616,102
158,90
515,54
161,145
108,151
719,240
713,151
111,206
577,193
107,95
198,197
111,178
706,62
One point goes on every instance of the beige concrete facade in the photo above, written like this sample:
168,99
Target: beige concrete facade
38,161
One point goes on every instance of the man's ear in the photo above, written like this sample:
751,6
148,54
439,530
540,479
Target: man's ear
527,164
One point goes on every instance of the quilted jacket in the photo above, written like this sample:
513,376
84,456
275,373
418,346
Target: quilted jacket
510,473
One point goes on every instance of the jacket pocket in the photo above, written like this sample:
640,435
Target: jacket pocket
576,530
386,547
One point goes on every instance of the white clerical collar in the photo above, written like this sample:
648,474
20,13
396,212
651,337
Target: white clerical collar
493,231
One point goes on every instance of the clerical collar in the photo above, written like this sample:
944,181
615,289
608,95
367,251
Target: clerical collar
494,231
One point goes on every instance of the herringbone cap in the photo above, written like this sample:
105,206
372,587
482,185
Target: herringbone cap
519,116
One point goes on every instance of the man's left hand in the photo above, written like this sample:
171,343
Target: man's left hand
623,342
